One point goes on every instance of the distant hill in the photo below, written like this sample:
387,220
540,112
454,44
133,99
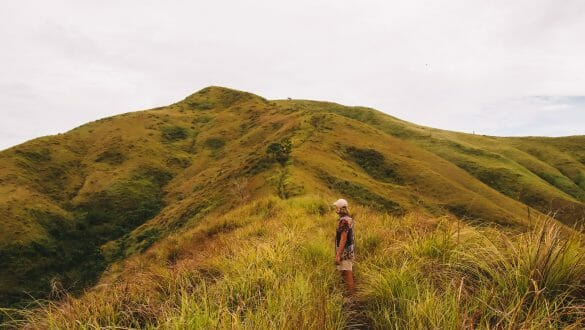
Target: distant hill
72,204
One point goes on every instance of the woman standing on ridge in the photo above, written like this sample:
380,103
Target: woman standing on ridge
344,244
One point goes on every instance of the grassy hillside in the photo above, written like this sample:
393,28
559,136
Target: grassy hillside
268,264
75,203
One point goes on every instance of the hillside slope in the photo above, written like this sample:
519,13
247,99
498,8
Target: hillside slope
74,203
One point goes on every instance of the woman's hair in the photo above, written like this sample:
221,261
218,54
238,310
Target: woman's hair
343,211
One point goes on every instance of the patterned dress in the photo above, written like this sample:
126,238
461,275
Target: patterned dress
345,224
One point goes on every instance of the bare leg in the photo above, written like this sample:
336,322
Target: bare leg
347,276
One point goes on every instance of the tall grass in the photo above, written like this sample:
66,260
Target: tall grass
480,278
269,264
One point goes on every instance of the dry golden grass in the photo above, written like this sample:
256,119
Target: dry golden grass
269,264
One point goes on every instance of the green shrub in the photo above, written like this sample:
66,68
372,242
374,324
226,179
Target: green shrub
280,151
41,155
173,133
111,157
178,162
215,143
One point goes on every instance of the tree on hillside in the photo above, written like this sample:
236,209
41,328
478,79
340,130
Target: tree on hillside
280,151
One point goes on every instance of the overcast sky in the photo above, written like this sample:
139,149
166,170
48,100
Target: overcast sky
493,67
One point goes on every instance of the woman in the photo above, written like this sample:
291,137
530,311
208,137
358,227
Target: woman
344,244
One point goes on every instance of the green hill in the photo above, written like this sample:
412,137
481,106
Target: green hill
106,193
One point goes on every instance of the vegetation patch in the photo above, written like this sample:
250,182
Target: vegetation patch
258,165
40,155
280,151
371,117
190,213
173,133
374,163
200,105
313,205
202,119
563,184
286,186
371,243
503,180
214,143
111,157
124,206
225,226
580,181
361,194
356,113
475,213
469,150
68,255
156,175
321,122
147,237
178,162
112,214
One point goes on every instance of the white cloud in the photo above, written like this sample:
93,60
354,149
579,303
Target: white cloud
557,115
461,65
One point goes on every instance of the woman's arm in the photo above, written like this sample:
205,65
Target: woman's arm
342,241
